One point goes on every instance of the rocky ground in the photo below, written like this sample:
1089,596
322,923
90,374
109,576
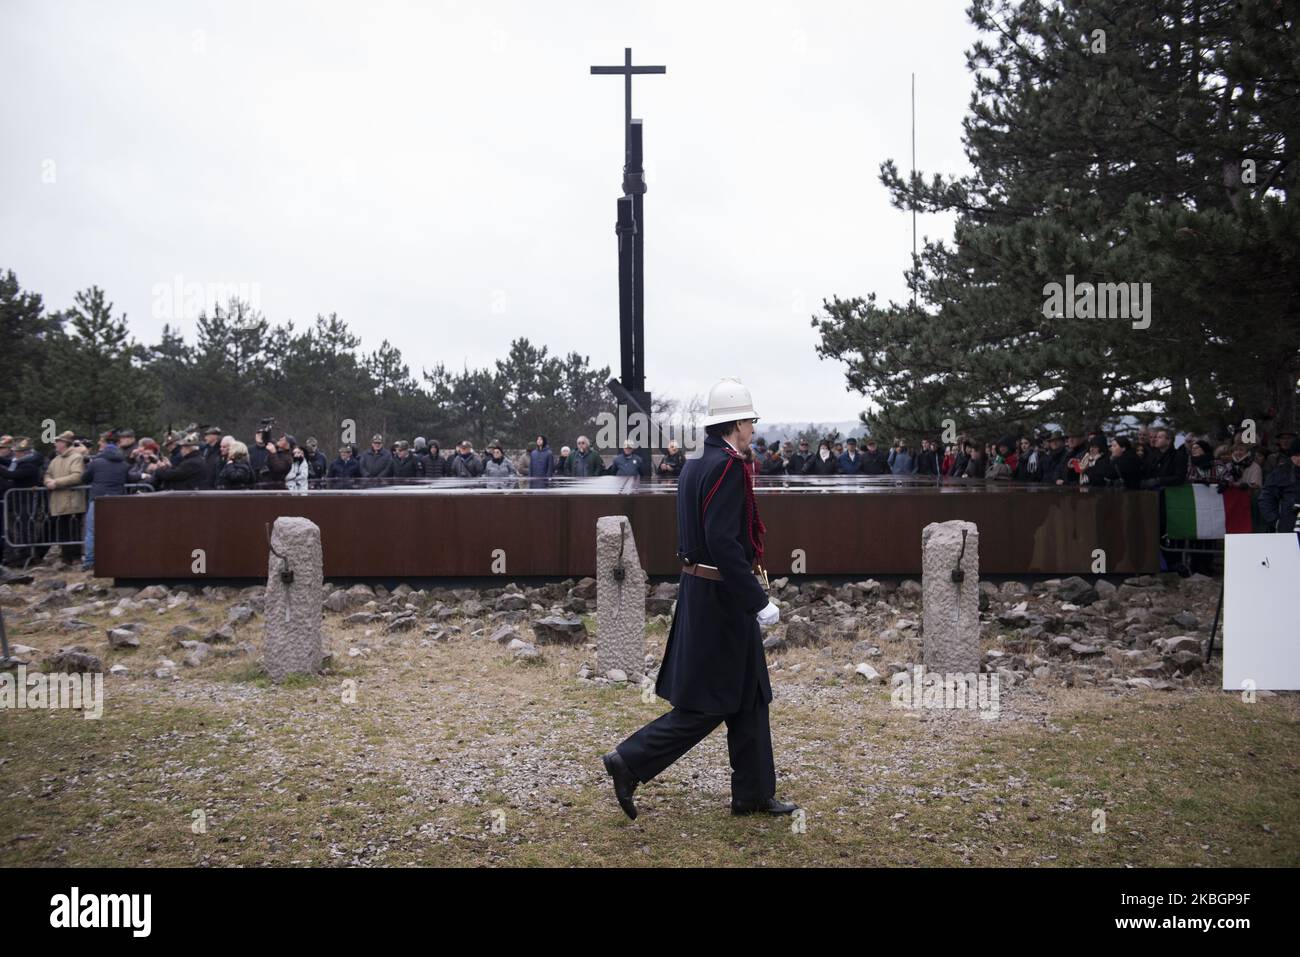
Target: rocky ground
459,725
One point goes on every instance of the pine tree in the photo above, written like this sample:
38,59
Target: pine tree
96,376
1130,141
27,332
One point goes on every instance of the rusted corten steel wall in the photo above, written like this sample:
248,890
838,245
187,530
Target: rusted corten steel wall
432,531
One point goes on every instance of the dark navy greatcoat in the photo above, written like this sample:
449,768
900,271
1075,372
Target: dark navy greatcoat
714,660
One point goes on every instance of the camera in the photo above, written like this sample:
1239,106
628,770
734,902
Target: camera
264,427
1231,475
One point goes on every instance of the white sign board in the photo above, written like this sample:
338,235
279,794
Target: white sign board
1261,618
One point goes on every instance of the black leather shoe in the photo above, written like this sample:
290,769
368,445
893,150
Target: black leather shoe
625,781
770,806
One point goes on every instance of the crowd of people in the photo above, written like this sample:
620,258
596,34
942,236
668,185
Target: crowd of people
75,475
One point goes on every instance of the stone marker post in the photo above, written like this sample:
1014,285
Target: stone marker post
620,599
950,609
293,607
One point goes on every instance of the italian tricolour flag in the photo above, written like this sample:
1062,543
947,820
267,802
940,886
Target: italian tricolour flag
1202,511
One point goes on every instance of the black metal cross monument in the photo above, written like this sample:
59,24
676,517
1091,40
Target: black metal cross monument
629,388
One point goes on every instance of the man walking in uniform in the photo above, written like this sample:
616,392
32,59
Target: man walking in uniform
714,667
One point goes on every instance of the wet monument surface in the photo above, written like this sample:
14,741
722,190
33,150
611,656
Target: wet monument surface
521,527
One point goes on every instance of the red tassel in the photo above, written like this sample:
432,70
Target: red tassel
753,523
752,519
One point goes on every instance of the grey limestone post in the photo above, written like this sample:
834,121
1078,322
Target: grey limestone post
950,609
620,598
293,607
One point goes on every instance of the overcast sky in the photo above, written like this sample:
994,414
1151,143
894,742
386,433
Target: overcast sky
444,175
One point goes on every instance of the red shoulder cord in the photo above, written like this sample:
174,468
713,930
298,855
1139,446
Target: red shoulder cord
752,520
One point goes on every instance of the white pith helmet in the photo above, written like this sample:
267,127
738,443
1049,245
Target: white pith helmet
729,401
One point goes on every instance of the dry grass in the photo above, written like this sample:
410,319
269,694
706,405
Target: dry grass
455,754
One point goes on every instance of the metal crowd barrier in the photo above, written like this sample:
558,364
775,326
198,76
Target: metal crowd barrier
27,523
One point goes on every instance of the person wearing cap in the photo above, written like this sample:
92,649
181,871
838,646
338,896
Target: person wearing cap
406,465
187,475
376,462
142,460
344,471
316,463
171,447
26,466
1281,493
627,463
465,464
125,441
66,504
498,465
211,454
257,453
714,668
851,460
875,460
800,459
1054,462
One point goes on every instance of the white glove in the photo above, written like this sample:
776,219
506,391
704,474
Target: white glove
769,615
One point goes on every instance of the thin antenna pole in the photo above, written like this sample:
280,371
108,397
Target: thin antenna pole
914,177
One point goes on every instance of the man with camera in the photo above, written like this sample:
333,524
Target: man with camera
257,448
187,474
280,459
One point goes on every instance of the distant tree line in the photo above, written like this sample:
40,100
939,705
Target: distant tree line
81,368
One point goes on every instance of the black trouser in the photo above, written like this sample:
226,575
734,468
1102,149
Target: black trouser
749,744
60,528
